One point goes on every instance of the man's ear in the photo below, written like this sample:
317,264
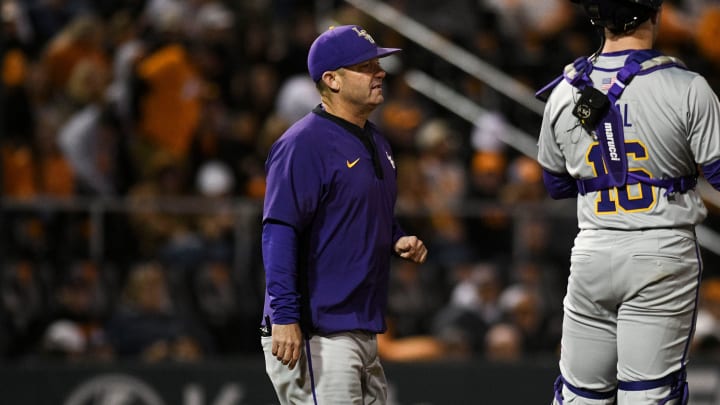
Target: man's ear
655,17
331,80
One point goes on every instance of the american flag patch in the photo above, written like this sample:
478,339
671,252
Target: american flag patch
607,83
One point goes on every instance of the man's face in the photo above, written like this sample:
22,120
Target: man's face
362,83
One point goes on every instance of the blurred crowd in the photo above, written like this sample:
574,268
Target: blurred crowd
171,105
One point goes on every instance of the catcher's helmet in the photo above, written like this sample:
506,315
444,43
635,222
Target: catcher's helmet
619,15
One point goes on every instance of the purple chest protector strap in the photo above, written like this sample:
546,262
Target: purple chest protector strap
609,126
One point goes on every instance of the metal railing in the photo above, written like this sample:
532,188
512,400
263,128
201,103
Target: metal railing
450,52
247,214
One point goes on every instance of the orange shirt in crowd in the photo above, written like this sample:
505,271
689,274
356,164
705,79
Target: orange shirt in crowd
24,177
171,109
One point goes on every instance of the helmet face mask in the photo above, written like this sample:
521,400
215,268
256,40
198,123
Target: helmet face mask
619,16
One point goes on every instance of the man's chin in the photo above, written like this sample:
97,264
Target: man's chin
377,99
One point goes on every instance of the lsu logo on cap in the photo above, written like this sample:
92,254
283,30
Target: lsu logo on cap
364,34
361,33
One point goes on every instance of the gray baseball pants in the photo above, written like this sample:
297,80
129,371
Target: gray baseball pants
629,313
346,369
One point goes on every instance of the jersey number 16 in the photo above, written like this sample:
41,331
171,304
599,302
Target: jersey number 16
631,198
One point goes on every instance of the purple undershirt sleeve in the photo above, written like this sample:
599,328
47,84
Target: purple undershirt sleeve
560,186
711,172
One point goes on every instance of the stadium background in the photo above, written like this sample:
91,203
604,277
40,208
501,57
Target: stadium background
133,139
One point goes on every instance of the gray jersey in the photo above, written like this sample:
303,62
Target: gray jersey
671,120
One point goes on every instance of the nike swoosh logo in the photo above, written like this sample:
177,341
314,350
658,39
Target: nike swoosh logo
351,164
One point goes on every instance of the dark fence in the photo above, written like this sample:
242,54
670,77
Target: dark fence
243,382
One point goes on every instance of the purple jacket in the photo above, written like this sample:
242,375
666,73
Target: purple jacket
335,184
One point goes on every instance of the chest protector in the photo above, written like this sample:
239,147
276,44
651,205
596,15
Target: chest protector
599,114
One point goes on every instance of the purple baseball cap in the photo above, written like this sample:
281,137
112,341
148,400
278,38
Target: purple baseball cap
342,46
